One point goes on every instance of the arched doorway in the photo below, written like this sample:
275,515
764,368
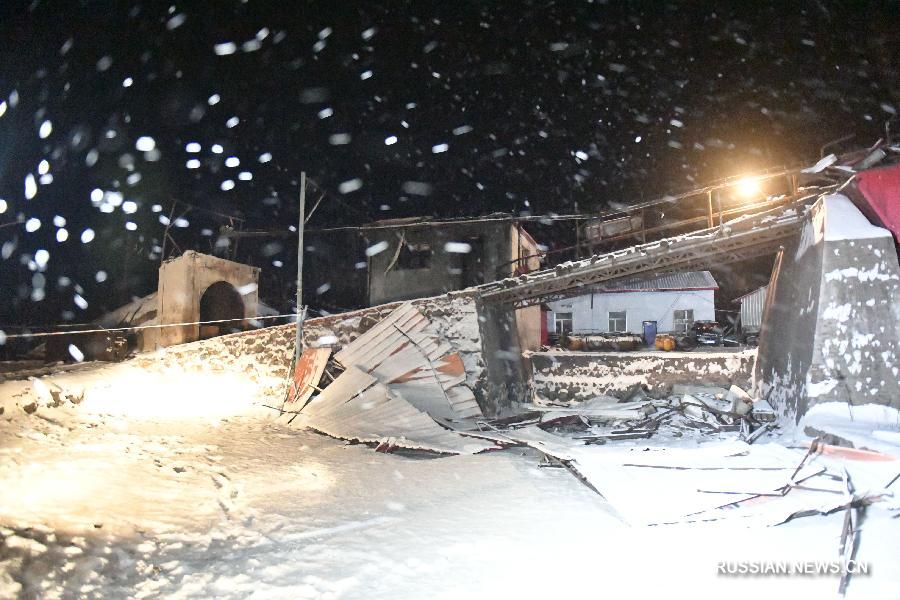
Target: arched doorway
221,301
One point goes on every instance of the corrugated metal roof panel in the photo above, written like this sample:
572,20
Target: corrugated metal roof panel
756,291
688,280
752,306
356,407
308,373
403,352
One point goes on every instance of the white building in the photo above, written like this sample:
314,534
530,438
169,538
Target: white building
674,301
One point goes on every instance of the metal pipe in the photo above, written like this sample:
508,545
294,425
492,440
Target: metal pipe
300,311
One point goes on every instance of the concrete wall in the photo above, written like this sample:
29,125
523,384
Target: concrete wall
831,323
528,327
505,369
494,245
584,375
639,306
182,282
524,250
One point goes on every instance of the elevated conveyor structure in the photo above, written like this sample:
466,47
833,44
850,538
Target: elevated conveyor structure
736,240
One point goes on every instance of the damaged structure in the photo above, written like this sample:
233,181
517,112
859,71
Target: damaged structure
420,257
665,438
192,288
831,330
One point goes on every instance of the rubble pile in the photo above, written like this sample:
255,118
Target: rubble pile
689,410
398,385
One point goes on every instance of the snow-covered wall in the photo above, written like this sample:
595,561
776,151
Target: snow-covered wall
590,313
831,328
265,354
583,375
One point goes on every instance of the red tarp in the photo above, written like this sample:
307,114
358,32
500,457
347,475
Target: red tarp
880,190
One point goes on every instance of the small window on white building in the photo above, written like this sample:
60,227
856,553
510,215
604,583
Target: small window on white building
563,322
682,320
617,321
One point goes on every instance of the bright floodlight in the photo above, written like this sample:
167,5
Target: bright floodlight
748,187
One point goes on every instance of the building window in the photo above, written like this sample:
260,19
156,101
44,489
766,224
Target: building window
563,322
682,320
414,256
617,321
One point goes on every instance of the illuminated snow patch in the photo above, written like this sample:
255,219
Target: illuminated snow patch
75,353
30,187
225,48
350,186
457,247
41,258
145,143
376,248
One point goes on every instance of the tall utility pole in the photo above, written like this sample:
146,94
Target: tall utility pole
300,224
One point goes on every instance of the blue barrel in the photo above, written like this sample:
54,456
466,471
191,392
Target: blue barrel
650,333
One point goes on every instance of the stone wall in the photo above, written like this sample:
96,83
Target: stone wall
583,375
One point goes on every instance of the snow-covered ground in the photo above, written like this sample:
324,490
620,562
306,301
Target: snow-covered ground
142,491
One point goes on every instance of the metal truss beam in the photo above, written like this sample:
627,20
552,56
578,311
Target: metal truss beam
739,240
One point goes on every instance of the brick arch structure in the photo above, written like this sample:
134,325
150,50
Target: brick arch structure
222,308
183,281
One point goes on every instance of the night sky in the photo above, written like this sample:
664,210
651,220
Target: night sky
395,109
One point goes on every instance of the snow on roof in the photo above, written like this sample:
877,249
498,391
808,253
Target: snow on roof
140,311
688,280
843,221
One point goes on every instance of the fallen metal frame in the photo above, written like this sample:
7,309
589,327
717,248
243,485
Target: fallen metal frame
740,239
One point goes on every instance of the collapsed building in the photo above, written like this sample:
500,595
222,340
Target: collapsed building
445,375
806,354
